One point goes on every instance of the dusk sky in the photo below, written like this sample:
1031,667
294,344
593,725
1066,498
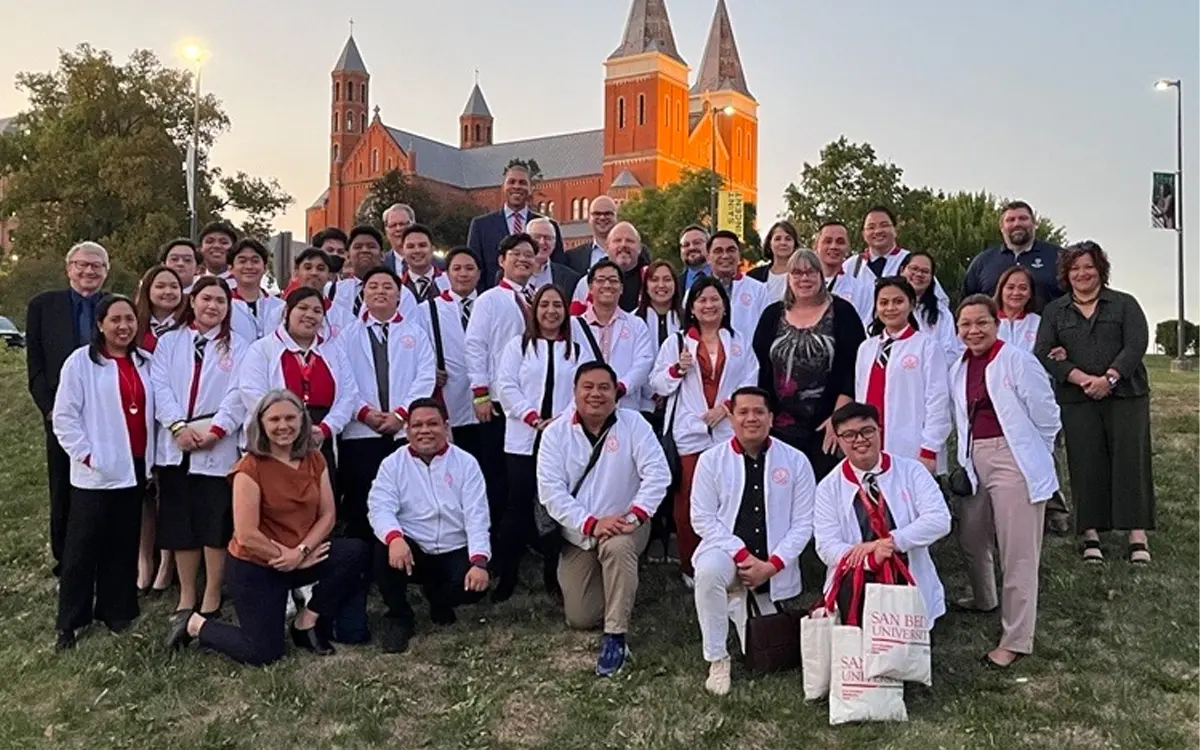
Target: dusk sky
1051,101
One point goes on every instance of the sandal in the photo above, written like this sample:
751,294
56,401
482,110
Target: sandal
966,605
1139,553
990,664
1092,552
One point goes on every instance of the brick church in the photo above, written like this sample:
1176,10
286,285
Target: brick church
657,121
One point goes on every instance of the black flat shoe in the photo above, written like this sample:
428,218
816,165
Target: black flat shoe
987,662
311,640
178,636
504,590
66,640
116,627
967,606
213,615
395,639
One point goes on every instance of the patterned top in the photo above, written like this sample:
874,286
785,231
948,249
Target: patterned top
801,359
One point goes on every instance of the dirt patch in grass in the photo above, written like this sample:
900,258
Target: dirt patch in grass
527,718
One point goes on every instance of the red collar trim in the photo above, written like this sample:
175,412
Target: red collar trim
104,352
237,294
328,303
739,276
885,463
446,295
413,452
987,358
396,318
405,277
739,450
286,339
1019,316
506,285
866,254
907,333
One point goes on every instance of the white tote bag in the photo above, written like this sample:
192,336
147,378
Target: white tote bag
895,628
852,695
815,630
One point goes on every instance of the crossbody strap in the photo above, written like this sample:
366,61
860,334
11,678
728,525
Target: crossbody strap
972,409
591,337
671,420
436,323
597,449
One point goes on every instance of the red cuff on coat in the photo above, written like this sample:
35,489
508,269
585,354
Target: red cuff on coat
674,372
777,561
530,418
401,412
392,536
479,392
589,525
741,555
479,559
87,460
642,516
621,390
362,414
217,431
326,431
926,453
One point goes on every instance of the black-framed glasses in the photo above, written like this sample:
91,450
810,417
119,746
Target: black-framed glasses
852,436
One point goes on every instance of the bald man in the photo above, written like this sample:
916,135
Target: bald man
602,218
626,251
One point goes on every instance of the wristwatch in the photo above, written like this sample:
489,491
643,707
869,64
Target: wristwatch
1112,381
632,519
304,550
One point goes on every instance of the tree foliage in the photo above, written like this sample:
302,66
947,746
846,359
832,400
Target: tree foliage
1166,335
448,217
99,155
850,178
661,213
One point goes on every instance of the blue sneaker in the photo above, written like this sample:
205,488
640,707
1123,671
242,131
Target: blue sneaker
613,655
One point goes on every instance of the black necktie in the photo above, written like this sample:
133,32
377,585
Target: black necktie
885,352
358,297
662,328
422,287
465,313
877,265
528,293
200,344
379,352
871,483
548,393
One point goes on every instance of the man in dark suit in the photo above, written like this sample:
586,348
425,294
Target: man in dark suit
542,230
602,217
487,230
58,322
397,218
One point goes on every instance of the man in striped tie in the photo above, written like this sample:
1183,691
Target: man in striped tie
487,230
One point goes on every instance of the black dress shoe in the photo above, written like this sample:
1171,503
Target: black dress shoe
504,590
117,627
178,636
311,640
394,639
442,615
66,640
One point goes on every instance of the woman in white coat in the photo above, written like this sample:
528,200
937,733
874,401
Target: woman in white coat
295,358
1016,300
199,413
901,371
1007,421
697,372
535,386
874,505
103,417
931,309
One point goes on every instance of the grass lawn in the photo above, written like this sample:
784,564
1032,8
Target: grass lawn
1116,661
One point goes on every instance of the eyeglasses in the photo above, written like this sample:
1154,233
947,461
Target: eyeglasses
522,253
606,281
912,271
88,265
852,436
799,273
603,214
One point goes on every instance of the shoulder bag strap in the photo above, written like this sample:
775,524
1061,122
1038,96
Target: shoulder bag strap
597,449
971,411
671,420
435,321
591,337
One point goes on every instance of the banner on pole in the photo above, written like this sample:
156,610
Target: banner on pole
1162,201
731,212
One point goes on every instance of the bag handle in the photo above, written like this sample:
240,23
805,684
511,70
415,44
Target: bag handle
896,564
972,410
671,420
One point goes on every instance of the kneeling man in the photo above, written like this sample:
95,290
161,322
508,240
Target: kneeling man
752,504
428,508
601,475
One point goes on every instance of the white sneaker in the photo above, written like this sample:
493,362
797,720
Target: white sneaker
689,583
719,677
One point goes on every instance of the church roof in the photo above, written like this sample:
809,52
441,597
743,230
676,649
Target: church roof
477,105
350,59
647,30
721,67
626,180
6,123
558,156
320,201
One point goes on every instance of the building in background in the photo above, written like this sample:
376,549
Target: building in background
657,122
8,224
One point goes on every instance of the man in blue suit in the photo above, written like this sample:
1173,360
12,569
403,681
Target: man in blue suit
487,230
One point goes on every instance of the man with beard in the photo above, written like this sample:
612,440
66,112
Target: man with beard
625,250
693,244
1020,247
487,230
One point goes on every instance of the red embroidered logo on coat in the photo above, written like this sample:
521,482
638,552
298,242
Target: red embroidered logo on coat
746,299
612,445
780,476
1031,336
736,350
226,362
626,334
408,342
910,362
449,479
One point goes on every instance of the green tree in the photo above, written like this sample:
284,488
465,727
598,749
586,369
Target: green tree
98,156
1166,336
661,213
850,179
447,217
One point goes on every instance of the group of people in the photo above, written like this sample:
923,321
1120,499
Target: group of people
395,418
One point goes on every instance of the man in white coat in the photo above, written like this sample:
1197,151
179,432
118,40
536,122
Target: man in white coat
601,474
899,493
428,508
747,297
752,503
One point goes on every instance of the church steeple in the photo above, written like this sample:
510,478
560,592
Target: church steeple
721,66
475,123
348,120
647,30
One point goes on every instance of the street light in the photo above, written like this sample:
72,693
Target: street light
195,54
1164,84
728,111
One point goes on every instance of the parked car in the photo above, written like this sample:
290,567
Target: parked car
9,332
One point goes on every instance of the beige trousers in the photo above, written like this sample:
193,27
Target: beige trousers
1000,512
600,584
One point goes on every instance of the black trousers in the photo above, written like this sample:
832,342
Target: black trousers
260,599
442,578
360,461
517,528
485,441
58,476
662,526
99,562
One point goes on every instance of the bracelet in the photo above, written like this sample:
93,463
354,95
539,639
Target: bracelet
482,400
177,427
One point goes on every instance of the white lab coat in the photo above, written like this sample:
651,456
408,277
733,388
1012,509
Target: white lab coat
173,375
631,353
347,292
651,321
411,369
253,327
747,299
856,265
497,316
858,291
692,435
457,392
1021,331
917,506
789,495
523,380
88,420
441,506
1028,415
945,332
916,413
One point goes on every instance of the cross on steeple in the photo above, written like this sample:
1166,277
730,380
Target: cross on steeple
351,26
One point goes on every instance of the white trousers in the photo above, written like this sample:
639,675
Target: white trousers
721,597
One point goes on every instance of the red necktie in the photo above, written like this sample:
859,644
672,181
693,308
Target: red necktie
518,223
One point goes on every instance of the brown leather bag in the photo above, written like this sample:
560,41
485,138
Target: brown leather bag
772,641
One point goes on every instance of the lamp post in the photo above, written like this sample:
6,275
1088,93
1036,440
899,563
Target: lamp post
194,54
712,198
1180,362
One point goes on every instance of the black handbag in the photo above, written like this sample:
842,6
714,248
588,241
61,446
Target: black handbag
772,641
667,439
959,482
